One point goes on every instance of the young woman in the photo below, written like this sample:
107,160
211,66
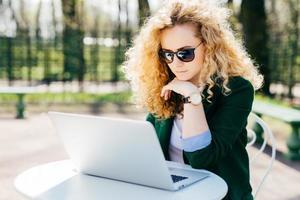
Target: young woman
197,82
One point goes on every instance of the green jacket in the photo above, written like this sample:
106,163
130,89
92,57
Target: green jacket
226,155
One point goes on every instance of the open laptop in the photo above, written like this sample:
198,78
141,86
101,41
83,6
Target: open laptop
120,149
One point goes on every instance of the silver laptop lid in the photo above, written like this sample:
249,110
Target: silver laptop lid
121,149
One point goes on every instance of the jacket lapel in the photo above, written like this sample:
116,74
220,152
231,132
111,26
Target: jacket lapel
165,128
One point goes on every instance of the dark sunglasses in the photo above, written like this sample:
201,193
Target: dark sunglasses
185,55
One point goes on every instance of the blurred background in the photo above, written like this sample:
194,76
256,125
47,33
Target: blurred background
66,55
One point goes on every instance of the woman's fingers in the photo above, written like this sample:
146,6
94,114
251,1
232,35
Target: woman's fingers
165,93
164,90
169,94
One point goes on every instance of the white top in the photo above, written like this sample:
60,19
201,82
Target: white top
58,181
191,144
175,147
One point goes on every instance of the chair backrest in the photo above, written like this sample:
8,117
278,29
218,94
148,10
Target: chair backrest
268,138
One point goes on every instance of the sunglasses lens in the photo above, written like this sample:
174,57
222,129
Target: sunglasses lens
167,56
186,55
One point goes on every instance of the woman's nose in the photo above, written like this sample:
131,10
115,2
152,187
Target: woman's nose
176,62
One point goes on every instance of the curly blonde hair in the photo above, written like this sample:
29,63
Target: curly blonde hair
224,55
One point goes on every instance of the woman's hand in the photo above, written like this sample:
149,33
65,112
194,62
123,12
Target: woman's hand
185,88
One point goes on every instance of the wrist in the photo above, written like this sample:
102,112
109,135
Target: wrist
190,91
194,98
190,106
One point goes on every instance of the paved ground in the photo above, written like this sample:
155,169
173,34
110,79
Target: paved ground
30,142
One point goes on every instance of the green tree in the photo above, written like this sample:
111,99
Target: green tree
95,48
24,34
117,33
73,34
9,52
293,40
255,30
144,11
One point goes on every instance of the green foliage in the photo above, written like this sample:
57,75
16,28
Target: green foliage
55,61
274,101
70,98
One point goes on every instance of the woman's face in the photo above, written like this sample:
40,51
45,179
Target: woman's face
182,37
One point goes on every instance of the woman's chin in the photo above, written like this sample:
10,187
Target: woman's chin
182,78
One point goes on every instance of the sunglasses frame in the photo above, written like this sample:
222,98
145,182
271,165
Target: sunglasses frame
161,54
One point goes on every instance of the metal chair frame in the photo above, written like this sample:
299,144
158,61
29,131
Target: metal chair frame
268,136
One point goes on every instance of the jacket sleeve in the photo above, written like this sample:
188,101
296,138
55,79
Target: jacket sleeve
150,118
226,125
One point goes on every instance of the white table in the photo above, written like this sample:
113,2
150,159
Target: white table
59,180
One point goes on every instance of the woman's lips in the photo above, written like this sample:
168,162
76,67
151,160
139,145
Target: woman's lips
181,71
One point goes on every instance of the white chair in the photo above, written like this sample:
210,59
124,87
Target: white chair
268,138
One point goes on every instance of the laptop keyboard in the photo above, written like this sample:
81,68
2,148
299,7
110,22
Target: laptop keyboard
176,178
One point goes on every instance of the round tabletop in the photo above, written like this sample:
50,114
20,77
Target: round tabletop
59,180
